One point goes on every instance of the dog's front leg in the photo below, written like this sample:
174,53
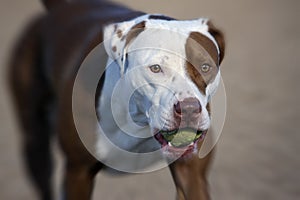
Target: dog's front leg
79,181
80,170
189,175
81,167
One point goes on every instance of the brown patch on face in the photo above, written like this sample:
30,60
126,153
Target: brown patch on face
119,33
135,31
219,37
114,48
196,77
207,44
199,51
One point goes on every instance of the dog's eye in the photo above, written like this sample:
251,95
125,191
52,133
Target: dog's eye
205,68
155,68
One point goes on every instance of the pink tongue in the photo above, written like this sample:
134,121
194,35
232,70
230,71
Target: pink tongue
161,139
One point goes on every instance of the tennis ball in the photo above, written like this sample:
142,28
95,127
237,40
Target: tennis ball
181,138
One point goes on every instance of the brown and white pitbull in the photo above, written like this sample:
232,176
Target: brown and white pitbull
171,67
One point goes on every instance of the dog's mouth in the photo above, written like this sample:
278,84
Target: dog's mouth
180,142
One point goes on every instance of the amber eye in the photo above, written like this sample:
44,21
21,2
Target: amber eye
155,68
205,68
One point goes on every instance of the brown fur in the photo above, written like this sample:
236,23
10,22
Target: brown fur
200,50
134,32
219,37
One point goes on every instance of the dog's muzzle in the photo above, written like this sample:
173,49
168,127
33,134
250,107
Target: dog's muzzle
182,139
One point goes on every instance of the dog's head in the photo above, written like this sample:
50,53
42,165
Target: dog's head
174,68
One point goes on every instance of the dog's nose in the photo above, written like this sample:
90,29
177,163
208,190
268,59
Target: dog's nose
188,107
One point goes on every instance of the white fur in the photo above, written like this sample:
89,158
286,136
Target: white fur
162,42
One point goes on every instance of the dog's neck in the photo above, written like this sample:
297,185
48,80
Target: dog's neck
122,114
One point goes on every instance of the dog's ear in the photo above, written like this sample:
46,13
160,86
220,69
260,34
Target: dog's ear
219,37
210,38
118,36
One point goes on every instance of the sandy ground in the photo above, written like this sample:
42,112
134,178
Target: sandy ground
258,153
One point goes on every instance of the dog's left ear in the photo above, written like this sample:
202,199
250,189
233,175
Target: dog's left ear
219,37
117,37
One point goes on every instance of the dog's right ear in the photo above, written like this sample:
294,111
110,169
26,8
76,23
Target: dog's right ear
219,37
117,37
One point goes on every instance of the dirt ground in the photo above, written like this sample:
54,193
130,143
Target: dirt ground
257,155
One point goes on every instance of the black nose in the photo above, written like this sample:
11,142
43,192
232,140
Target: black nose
189,107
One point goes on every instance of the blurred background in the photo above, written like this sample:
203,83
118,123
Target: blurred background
257,156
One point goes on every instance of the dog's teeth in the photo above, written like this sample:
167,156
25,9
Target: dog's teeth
169,143
192,143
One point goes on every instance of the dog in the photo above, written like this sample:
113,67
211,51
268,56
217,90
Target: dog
171,84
